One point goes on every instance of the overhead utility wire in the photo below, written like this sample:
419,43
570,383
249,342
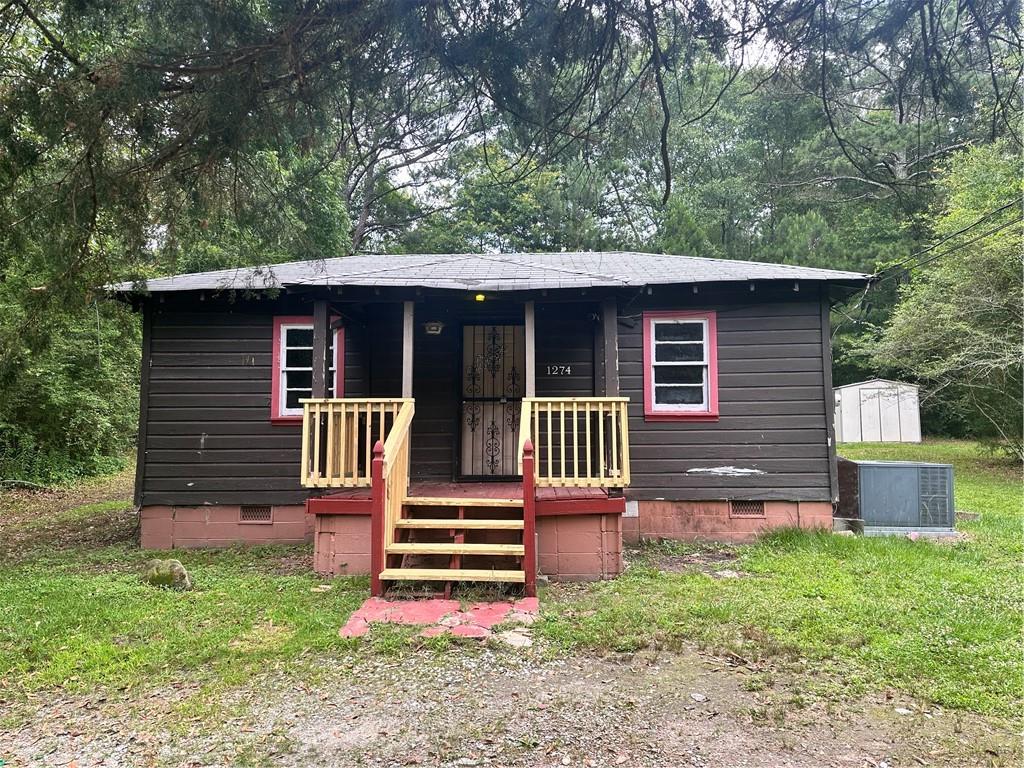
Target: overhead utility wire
962,245
947,238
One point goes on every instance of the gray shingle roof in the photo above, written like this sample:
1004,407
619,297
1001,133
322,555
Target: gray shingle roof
492,272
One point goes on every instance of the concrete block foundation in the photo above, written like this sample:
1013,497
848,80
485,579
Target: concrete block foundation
165,527
341,544
715,521
580,547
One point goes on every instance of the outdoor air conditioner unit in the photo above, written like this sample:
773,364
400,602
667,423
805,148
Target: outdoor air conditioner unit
895,497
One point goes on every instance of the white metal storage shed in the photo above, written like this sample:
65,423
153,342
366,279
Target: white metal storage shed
877,411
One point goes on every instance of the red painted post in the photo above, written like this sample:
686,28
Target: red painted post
377,502
529,522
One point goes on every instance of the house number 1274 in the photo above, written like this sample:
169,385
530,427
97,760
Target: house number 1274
559,370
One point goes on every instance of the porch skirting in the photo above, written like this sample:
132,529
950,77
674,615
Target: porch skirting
717,521
165,527
580,547
572,544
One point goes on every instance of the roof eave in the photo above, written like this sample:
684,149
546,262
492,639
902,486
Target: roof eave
151,287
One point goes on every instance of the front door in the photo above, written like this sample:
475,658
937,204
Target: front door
493,379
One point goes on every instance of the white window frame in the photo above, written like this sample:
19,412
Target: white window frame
283,368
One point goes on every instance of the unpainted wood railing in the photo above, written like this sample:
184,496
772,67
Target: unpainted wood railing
577,441
338,435
389,474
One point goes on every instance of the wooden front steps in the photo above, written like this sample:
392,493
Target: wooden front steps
460,501
451,574
446,514
441,523
446,548
449,537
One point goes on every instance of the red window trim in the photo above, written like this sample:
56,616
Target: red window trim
276,416
711,414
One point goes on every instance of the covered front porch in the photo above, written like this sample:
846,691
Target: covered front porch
564,508
455,471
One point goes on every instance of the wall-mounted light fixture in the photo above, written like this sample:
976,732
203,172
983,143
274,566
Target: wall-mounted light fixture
433,328
479,297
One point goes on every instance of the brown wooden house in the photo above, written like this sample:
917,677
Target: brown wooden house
482,417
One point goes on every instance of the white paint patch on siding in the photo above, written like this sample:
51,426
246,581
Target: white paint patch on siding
725,471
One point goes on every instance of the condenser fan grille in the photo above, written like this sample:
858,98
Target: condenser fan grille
934,491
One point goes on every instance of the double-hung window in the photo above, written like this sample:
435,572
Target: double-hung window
680,365
293,366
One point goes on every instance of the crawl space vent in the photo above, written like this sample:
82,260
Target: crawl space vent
255,513
746,509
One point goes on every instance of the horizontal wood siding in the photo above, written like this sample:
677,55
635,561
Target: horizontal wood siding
565,337
435,372
772,400
208,436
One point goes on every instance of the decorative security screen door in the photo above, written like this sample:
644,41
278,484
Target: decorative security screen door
493,378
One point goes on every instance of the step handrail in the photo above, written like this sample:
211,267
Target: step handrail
389,489
580,442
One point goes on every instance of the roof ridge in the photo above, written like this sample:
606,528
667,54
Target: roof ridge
561,270
454,257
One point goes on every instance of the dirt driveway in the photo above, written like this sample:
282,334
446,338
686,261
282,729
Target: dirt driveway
475,707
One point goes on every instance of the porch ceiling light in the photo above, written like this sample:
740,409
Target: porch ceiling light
479,297
433,328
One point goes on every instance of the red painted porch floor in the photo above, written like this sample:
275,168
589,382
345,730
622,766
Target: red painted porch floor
481,491
440,617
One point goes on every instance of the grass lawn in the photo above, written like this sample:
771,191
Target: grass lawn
939,621
75,613
942,622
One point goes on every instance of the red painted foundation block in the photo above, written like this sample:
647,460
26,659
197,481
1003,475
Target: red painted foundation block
711,520
341,544
580,547
166,527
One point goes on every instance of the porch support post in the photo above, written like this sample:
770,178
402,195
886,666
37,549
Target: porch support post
610,336
321,365
407,336
530,332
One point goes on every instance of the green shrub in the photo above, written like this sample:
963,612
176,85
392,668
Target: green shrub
71,409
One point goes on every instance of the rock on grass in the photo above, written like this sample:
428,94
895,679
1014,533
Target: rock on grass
167,573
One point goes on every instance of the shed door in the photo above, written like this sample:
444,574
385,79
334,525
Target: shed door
493,380
889,414
910,415
870,415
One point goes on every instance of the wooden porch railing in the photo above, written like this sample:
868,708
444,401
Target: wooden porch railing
389,474
578,442
338,435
